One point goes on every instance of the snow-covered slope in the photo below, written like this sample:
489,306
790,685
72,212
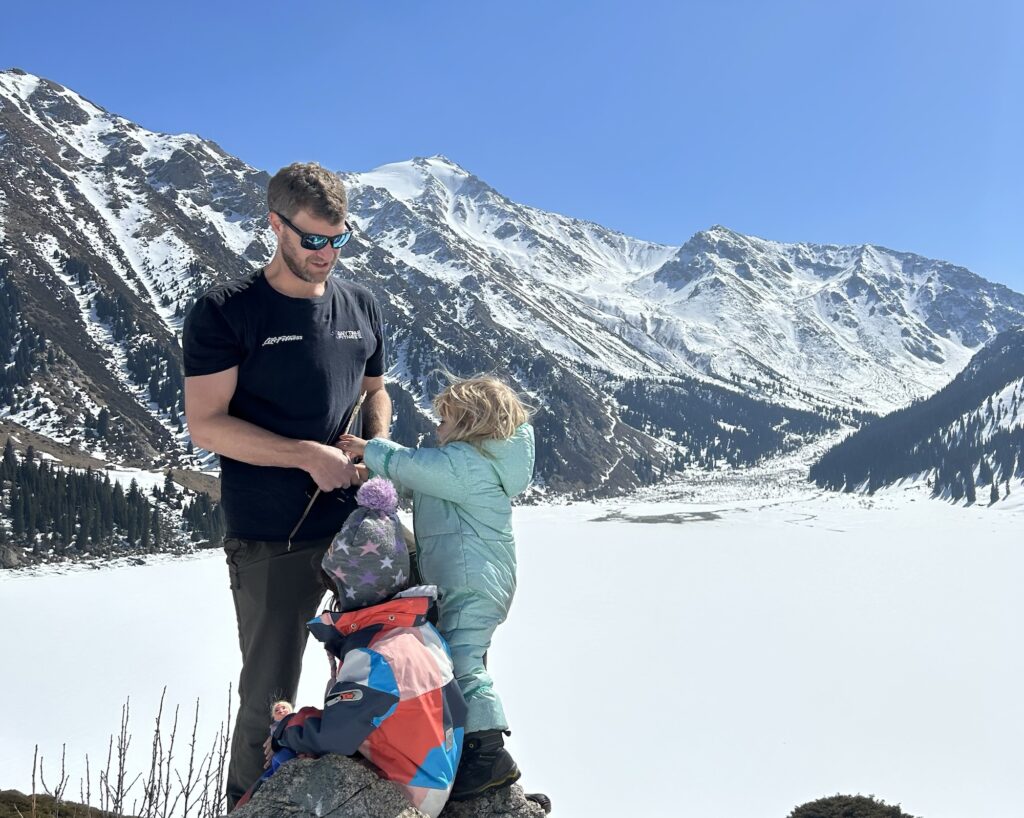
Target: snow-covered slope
966,441
554,279
148,194
643,357
864,327
109,230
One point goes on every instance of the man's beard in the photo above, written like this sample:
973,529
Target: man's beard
300,269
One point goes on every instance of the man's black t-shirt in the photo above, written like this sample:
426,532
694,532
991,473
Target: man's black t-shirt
301,363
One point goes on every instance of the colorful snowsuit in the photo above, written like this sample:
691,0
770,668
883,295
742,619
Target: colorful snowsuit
393,698
462,517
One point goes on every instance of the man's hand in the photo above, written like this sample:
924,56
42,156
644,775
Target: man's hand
330,468
352,446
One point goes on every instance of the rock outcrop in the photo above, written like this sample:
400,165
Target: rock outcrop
343,787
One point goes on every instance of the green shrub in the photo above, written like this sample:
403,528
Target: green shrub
848,806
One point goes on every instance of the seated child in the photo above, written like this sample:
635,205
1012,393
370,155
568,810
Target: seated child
462,516
392,696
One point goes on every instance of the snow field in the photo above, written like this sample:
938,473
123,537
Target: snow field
745,660
741,666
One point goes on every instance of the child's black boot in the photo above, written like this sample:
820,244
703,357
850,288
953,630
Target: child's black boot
486,765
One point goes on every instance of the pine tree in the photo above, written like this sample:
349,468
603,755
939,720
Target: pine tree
10,461
969,491
103,423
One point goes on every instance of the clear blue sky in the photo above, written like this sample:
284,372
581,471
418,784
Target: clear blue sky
897,123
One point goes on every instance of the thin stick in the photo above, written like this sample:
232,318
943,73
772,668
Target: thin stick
35,758
309,505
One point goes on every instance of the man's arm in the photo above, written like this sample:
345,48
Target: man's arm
376,409
207,398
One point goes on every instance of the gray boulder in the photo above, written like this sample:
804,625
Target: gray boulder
343,787
9,557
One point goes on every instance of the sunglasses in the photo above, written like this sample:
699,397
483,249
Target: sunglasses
314,241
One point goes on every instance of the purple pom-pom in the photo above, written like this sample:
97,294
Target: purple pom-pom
378,494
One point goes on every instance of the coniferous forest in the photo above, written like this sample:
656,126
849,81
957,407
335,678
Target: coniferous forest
55,512
716,425
20,347
969,444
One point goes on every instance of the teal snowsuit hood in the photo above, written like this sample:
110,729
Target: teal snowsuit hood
462,515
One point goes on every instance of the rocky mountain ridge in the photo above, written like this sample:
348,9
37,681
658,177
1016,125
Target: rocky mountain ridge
643,358
808,325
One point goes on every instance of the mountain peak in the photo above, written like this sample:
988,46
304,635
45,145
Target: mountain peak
429,164
717,240
410,179
441,159
15,82
451,174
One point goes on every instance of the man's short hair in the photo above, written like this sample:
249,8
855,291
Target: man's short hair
308,186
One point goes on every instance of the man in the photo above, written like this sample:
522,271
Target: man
274,364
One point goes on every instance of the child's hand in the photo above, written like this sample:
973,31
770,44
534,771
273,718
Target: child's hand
352,446
363,472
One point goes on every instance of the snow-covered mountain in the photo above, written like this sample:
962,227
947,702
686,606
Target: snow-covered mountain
553,279
107,231
966,440
643,357
808,325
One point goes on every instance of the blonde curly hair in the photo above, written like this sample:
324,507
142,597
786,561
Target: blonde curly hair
480,408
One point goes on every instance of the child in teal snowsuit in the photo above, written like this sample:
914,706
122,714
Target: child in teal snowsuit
462,517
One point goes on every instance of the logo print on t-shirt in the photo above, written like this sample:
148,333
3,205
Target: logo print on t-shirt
348,334
280,339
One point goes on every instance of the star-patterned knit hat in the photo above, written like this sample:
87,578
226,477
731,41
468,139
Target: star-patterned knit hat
368,560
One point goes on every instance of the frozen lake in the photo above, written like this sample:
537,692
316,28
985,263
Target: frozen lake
705,654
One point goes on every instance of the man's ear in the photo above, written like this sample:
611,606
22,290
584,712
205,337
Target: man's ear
275,224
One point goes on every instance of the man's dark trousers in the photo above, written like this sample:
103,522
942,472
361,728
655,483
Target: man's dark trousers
276,592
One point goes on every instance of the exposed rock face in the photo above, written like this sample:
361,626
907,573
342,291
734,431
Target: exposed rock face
343,787
333,785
